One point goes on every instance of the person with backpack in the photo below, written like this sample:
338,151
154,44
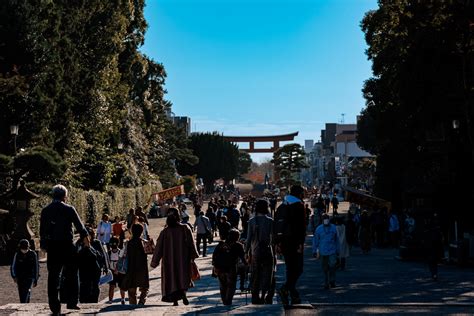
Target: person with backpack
259,249
25,270
225,259
290,234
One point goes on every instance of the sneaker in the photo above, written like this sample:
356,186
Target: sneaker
108,302
185,301
283,295
122,301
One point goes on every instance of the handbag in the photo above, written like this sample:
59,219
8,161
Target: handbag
106,278
148,246
195,275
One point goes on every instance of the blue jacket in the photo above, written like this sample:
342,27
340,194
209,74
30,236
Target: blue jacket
325,240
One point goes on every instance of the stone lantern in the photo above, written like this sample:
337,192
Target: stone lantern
22,214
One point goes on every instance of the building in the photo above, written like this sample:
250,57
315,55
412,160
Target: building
183,122
330,159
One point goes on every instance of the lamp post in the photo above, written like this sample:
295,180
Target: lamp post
14,133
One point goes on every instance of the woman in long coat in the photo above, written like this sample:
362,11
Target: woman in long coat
137,268
176,248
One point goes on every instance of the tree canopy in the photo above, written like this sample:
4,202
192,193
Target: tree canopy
288,161
72,77
423,75
218,158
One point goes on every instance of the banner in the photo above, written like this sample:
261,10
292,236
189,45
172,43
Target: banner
168,194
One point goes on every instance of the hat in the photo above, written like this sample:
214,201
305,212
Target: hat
24,244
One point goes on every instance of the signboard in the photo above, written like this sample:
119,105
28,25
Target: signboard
169,194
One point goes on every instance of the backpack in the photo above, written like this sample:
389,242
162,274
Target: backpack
222,258
282,229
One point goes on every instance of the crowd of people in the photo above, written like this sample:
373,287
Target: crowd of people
250,239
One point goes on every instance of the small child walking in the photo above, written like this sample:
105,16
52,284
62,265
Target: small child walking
25,270
115,253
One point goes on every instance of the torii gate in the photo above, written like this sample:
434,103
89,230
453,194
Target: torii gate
276,139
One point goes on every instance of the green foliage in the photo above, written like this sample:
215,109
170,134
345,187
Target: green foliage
421,55
245,161
218,158
38,164
73,78
189,183
290,157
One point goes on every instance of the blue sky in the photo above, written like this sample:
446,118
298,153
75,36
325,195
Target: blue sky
260,67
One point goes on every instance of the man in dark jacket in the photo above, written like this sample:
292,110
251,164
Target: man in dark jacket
292,246
56,237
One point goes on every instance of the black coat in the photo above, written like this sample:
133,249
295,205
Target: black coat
137,266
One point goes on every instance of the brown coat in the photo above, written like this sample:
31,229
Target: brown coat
176,249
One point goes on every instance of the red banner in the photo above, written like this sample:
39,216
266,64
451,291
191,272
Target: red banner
168,194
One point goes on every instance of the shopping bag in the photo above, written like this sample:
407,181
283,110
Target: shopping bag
106,278
195,275
148,246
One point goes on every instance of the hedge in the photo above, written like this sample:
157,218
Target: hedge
91,205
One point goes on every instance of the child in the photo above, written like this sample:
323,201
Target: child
114,254
25,270
224,260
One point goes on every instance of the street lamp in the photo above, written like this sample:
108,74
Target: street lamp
14,133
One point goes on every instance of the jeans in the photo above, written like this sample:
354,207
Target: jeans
203,238
24,289
227,282
62,260
294,269
328,263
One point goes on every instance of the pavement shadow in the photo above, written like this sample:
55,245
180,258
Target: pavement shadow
379,278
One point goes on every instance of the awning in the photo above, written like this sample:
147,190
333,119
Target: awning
364,199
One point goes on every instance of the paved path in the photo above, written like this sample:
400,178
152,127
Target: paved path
376,283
